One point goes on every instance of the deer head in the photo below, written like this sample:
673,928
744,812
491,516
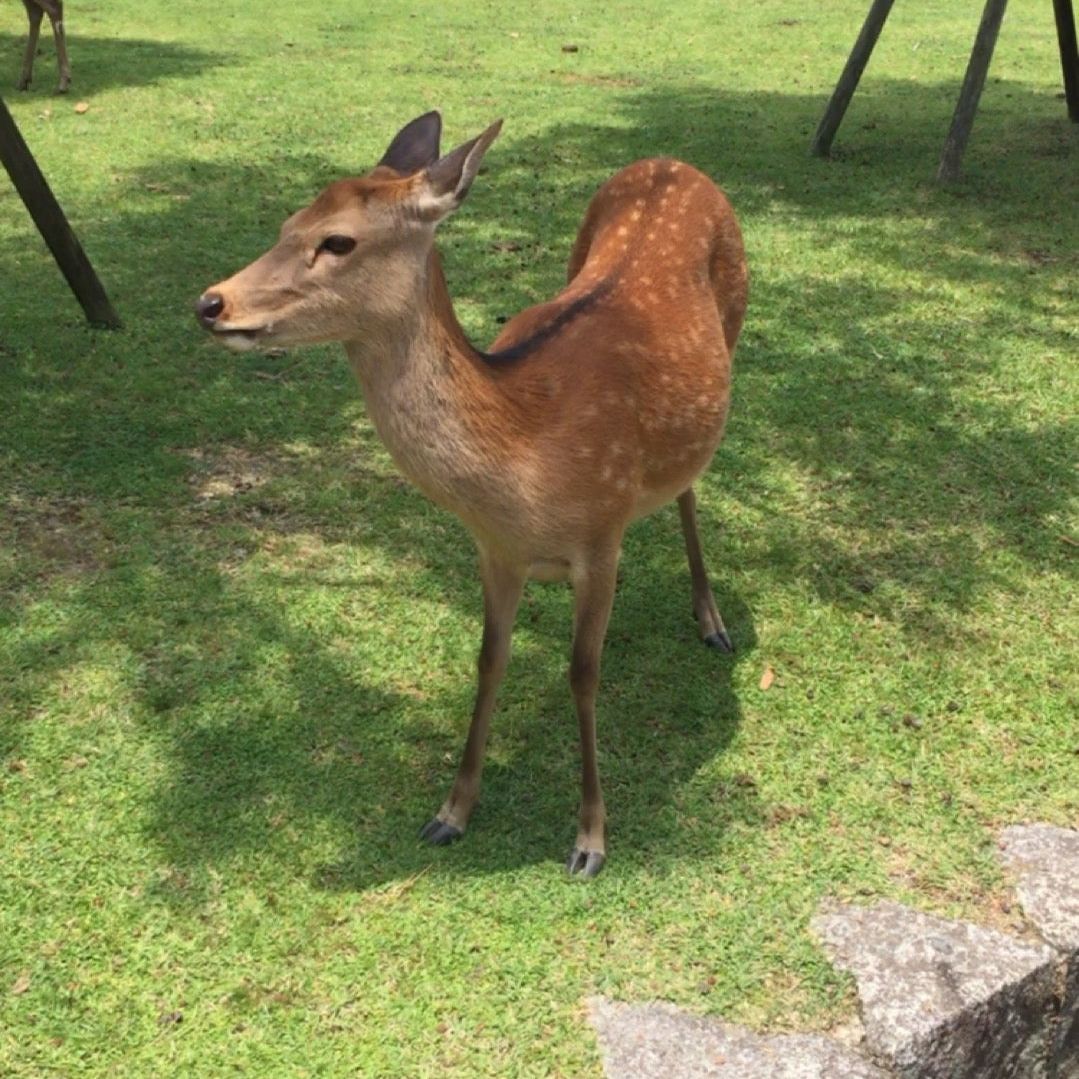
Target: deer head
349,266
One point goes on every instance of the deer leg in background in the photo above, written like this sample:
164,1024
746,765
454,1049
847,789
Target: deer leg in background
713,632
33,13
593,587
55,10
502,586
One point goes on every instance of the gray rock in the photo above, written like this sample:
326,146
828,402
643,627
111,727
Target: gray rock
660,1041
946,999
1066,1048
1045,861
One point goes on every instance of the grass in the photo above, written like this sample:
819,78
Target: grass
236,651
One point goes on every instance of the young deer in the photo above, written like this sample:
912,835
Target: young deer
34,11
588,412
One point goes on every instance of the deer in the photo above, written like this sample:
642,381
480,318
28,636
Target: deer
35,9
587,412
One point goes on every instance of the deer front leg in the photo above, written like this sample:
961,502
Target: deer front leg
593,587
502,587
33,13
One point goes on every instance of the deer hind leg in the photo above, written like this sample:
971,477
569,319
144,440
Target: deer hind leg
593,586
55,11
502,587
713,632
33,13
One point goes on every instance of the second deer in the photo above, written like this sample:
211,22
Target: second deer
587,412
35,11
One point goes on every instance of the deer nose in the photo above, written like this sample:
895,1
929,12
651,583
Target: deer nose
209,307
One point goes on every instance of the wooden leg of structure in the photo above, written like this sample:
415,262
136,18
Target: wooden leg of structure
50,220
848,81
973,82
1069,54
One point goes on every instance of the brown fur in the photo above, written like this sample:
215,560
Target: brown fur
35,9
589,411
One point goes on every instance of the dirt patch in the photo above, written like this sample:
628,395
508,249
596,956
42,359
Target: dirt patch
58,533
224,472
228,471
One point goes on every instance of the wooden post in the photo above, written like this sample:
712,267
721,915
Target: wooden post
53,226
973,82
1069,54
848,81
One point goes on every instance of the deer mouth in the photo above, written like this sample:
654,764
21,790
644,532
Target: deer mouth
240,339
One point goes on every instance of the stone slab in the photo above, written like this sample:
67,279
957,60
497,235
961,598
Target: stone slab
660,1041
1066,1049
946,999
1045,861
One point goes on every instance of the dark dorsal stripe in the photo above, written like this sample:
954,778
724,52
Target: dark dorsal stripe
545,332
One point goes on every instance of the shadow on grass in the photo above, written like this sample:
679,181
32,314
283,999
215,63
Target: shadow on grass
99,63
866,390
272,732
666,709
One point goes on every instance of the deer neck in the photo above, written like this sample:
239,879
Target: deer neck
429,398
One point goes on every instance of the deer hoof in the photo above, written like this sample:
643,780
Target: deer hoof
439,834
585,863
720,641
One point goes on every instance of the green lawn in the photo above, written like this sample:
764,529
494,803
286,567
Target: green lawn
236,651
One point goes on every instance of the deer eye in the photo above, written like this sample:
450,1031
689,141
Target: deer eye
337,245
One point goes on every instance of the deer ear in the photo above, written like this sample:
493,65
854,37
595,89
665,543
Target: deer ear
415,146
445,183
